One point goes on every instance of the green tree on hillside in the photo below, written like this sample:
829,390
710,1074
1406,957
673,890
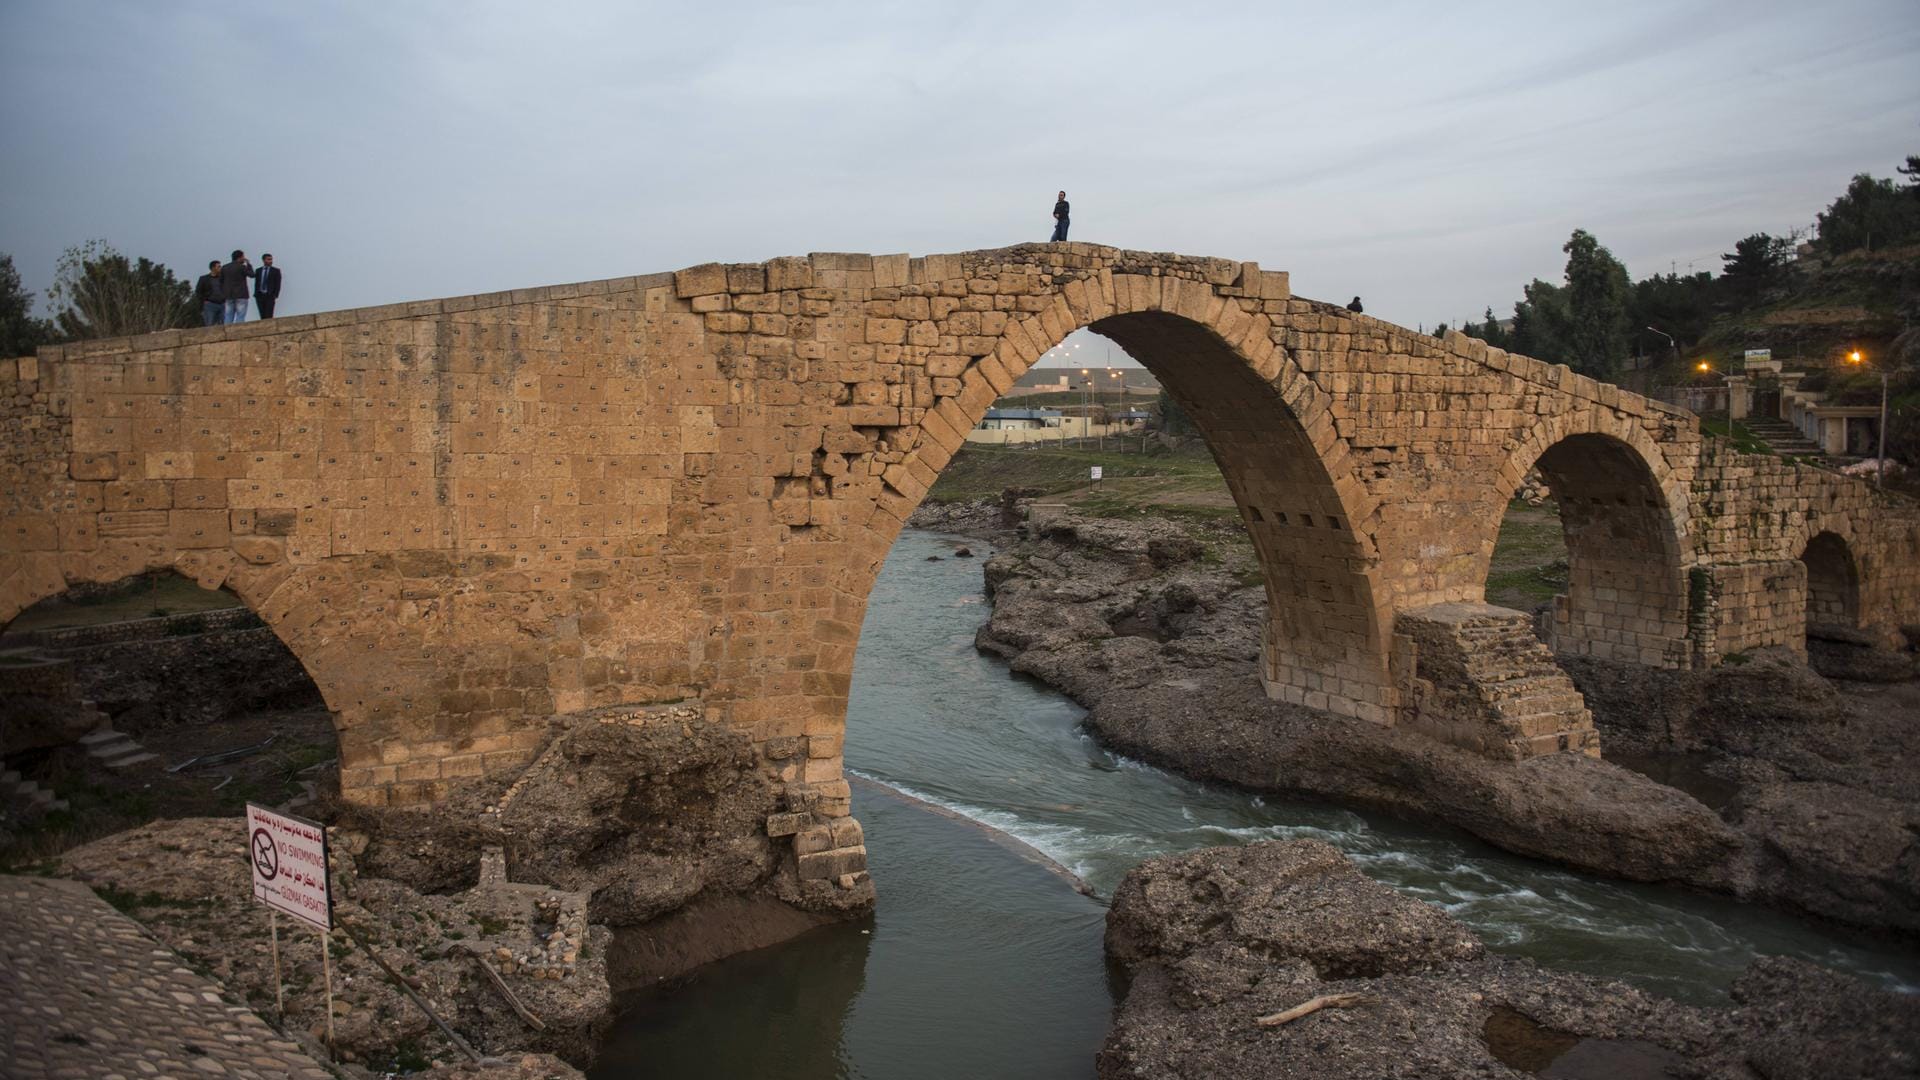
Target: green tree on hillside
1679,306
98,292
20,332
1597,291
1755,265
1872,215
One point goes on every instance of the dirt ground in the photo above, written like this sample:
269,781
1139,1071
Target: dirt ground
103,801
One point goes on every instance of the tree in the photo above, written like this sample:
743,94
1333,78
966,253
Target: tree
20,332
1491,332
1173,419
1911,170
98,292
1680,307
1541,323
1871,214
1597,291
1755,265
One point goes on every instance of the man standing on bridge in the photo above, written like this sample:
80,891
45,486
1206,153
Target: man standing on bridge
213,302
266,286
233,282
1060,219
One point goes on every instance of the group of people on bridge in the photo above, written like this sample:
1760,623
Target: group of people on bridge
224,290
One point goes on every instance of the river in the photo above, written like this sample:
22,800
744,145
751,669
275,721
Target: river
979,962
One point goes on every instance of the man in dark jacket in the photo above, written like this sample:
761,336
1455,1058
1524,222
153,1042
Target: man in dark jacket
233,282
1060,219
266,286
207,292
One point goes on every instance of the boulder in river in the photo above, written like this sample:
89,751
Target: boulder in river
1281,959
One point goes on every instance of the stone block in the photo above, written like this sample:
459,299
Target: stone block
812,838
827,865
702,280
787,824
848,833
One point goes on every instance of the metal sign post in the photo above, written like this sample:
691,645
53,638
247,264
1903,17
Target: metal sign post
279,999
289,860
1096,472
326,975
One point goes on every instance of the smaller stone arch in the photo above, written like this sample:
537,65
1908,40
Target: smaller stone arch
1833,583
1626,597
39,577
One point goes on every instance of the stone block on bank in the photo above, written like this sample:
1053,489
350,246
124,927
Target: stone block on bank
826,865
786,824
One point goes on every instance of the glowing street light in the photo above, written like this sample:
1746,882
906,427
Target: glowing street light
1703,366
1880,463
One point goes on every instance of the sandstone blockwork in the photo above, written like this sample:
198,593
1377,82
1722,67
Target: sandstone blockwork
466,516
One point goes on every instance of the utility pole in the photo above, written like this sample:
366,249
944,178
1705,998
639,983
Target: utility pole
1086,407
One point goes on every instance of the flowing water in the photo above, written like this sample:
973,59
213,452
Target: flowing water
981,963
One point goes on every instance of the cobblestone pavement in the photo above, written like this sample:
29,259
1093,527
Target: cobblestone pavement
86,993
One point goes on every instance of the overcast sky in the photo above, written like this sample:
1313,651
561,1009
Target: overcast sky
1430,157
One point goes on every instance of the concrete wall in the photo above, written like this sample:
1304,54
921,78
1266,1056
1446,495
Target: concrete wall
466,515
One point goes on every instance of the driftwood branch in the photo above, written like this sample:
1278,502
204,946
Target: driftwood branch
400,984
1311,1006
500,984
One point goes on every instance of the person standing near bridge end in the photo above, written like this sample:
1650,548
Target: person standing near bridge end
1060,219
266,286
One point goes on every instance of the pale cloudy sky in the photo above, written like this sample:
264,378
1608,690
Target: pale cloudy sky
1431,157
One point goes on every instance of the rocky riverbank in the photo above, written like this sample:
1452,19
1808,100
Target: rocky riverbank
1220,944
634,849
1153,625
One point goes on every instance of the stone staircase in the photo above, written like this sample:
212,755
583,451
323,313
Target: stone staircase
1784,438
1482,680
115,749
27,798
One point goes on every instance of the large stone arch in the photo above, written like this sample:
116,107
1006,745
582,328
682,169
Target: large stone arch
1624,516
1325,640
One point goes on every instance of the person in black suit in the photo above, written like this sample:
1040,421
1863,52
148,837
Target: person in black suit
1060,222
266,286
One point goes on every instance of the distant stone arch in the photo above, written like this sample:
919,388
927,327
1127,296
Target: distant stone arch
1833,583
1626,595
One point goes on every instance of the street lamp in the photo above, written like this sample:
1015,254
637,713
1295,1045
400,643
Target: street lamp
1880,462
1672,344
1086,419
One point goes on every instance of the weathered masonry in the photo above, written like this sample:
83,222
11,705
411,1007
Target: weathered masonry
465,516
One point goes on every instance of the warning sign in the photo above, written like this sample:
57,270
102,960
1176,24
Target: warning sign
289,858
1096,472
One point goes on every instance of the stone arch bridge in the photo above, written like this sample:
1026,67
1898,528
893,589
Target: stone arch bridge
468,515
